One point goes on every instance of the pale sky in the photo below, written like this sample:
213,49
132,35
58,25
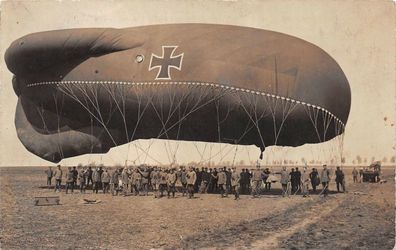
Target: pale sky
359,35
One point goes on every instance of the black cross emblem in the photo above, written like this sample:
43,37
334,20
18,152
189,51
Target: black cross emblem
166,62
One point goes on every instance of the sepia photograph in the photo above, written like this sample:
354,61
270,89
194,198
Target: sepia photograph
208,124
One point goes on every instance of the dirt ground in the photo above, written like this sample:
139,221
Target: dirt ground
362,218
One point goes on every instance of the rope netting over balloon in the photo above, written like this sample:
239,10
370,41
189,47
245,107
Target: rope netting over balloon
152,120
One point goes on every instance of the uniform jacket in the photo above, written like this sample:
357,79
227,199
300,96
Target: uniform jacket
95,176
191,177
58,174
235,178
171,178
256,175
106,177
325,175
222,178
284,177
70,176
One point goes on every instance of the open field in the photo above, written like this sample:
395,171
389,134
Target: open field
364,220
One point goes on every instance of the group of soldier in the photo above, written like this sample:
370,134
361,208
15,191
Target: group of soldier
159,180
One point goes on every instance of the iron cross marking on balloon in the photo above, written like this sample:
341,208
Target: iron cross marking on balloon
165,62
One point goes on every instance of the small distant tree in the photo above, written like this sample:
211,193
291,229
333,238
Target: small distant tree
343,160
365,160
359,159
385,159
393,159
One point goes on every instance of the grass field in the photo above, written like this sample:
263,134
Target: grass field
362,218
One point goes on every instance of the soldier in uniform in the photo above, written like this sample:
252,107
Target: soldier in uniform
154,179
81,178
171,182
49,174
235,182
298,179
221,182
191,179
106,180
144,183
314,179
162,183
228,182
183,180
75,175
135,181
58,174
340,179
293,181
256,181
325,178
125,181
305,182
69,180
284,180
355,174
114,182
95,180
89,176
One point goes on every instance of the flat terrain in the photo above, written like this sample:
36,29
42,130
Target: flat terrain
363,218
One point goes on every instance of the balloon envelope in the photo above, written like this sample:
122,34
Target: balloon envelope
88,90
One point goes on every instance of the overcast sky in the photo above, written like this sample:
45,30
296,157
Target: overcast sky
358,35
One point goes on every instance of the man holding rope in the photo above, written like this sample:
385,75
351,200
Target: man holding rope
325,178
284,180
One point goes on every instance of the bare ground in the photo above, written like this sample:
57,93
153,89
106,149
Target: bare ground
364,220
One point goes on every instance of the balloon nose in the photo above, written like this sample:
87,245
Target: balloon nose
15,85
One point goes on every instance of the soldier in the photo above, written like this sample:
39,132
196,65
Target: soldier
125,181
58,174
183,180
293,181
70,180
228,182
361,171
81,178
89,176
340,179
298,179
49,174
213,180
355,175
205,181
145,174
162,183
305,182
171,182
154,179
243,181
314,179
106,180
95,180
284,181
221,182
235,182
198,181
114,182
325,178
256,181
191,179
135,181
75,175
266,180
